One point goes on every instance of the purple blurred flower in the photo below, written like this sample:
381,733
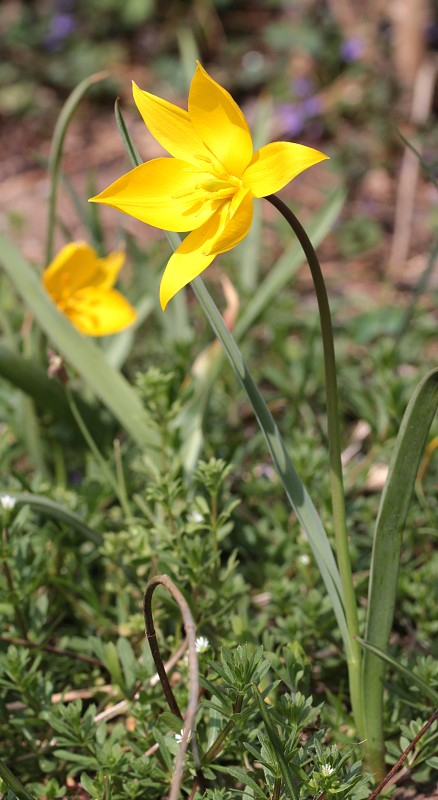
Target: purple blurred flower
312,106
61,27
302,87
292,118
352,49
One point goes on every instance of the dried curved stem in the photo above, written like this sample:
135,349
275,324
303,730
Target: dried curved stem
190,716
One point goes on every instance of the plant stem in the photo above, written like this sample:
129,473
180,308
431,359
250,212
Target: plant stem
190,716
218,743
354,656
403,756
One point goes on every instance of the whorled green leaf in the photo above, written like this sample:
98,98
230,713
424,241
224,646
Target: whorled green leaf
83,354
385,558
288,784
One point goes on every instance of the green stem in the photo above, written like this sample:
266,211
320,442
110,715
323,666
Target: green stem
354,657
218,743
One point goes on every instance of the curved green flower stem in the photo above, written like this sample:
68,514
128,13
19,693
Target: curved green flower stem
190,716
336,480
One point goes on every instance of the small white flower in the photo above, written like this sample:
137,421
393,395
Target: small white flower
7,502
195,516
304,559
179,736
327,770
202,644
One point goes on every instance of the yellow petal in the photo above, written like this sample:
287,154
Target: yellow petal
170,125
99,313
220,123
108,270
77,265
235,222
275,164
222,232
163,192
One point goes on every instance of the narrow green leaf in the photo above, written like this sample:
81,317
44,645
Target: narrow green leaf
243,777
276,744
128,144
51,508
410,676
56,150
294,488
426,167
164,749
13,783
385,557
83,354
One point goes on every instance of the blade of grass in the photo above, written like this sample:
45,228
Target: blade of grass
55,157
134,155
13,783
385,557
410,676
51,508
107,383
427,169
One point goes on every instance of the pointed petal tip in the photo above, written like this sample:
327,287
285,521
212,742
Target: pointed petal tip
163,300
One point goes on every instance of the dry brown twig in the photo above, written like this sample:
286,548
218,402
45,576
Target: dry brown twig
190,716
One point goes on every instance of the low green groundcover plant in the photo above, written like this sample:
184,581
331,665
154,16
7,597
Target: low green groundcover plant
264,667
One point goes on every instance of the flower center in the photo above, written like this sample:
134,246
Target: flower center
210,184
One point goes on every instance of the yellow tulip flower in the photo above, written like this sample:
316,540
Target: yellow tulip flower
209,185
81,285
